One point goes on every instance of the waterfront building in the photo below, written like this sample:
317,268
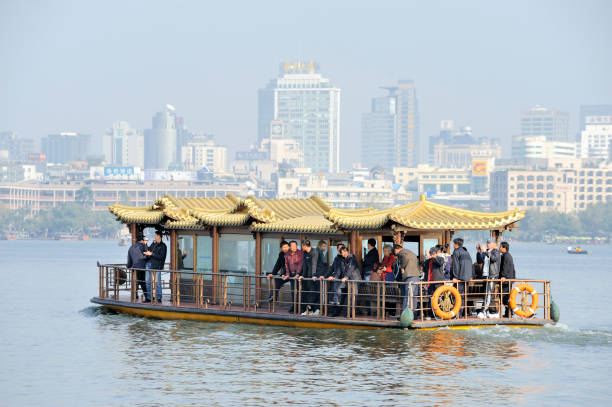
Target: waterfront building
161,140
308,105
390,132
463,155
37,196
123,145
204,152
564,185
596,138
66,147
542,121
15,148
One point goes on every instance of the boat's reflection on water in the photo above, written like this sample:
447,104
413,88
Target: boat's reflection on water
439,367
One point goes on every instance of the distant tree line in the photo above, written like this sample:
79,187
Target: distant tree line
69,218
594,222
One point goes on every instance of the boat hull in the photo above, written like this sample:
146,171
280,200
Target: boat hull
262,318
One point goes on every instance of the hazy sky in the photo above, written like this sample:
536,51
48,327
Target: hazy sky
83,65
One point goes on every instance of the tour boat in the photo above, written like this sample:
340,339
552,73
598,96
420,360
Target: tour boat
220,250
576,250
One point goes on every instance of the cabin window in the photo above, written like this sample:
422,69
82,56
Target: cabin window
184,252
333,250
236,254
204,255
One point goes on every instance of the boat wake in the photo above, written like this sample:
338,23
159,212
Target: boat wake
94,311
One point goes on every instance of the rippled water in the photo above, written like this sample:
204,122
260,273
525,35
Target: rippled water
57,349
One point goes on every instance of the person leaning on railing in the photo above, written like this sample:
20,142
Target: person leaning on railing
294,261
278,269
407,265
345,269
319,272
507,272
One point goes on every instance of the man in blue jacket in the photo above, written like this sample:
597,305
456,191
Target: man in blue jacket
156,256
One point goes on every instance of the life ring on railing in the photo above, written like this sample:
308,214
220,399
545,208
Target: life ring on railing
445,309
524,310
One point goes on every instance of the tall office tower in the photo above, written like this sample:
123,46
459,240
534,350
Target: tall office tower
66,147
400,141
445,137
378,134
161,140
308,105
123,145
543,121
596,138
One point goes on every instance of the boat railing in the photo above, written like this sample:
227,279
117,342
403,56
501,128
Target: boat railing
243,291
473,295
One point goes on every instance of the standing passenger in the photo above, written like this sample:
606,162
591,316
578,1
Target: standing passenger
346,269
309,266
490,271
156,256
137,260
461,268
294,261
507,272
320,273
370,260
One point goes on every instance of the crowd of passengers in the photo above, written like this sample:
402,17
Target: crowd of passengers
309,265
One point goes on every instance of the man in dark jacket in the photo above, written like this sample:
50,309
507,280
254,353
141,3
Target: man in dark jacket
138,260
507,272
461,268
407,265
156,256
278,269
319,272
369,260
490,270
345,269
309,266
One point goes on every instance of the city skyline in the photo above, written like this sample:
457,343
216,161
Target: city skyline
485,85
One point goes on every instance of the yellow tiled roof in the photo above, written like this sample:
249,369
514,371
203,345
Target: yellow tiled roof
312,215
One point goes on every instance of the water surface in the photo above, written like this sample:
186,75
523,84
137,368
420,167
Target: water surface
58,349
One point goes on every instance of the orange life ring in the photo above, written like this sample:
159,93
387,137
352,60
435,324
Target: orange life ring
531,309
435,301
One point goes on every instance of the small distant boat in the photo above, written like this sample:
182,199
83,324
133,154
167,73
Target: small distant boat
125,240
576,250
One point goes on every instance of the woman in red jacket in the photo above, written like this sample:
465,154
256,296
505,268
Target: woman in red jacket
385,270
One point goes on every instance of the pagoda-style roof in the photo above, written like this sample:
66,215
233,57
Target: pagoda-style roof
311,215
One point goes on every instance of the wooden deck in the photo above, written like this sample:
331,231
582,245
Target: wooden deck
281,317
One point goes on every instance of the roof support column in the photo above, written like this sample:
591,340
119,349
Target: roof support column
215,261
257,267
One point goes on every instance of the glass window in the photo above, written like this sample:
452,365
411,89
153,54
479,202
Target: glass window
333,249
184,252
204,255
237,256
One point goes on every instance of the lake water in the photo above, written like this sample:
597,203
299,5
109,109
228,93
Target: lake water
56,349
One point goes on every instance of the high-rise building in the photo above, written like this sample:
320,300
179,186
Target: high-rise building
542,121
309,107
161,140
537,147
203,152
592,110
445,137
17,148
123,145
596,138
390,132
378,134
66,147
